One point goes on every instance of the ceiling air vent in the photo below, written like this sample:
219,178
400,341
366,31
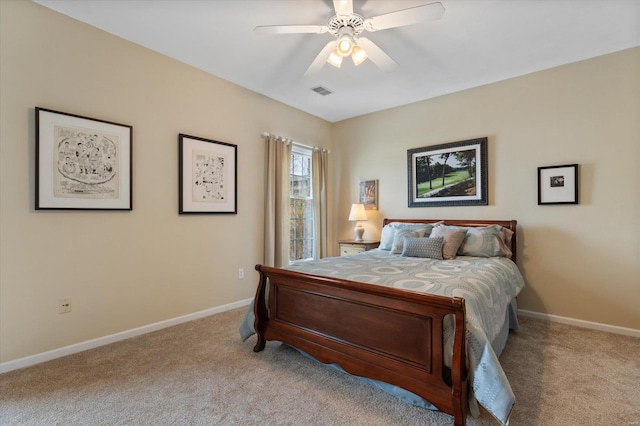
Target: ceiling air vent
322,91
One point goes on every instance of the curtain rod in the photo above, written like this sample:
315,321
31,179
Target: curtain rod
267,134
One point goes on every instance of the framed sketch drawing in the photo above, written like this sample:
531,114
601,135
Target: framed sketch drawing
82,163
450,174
558,184
208,176
369,194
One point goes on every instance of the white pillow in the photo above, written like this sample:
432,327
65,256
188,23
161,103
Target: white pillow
386,237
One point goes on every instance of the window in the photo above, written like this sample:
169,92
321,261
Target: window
301,205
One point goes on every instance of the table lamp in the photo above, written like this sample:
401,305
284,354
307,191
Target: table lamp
358,213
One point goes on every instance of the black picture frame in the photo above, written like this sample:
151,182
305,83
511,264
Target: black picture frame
82,163
558,184
208,176
464,165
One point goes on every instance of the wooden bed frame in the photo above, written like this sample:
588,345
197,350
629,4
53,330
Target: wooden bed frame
383,333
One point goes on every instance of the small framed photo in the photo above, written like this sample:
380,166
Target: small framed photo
208,176
82,163
558,184
369,194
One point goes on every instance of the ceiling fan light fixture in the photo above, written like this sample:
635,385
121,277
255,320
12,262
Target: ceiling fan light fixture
346,27
345,45
335,59
358,55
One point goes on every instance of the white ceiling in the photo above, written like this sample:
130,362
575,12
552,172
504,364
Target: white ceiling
476,42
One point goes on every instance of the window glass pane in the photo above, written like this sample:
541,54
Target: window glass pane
300,175
301,207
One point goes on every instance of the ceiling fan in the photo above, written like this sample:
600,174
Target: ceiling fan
346,28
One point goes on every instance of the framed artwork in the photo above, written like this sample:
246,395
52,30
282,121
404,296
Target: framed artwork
369,194
208,176
558,184
450,174
82,163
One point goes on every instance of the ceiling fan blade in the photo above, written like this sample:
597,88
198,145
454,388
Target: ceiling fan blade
291,29
377,55
321,59
400,18
343,7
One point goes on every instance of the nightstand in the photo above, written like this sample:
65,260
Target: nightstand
352,246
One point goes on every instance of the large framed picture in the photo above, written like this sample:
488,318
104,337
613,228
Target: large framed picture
82,163
208,176
450,174
369,194
558,184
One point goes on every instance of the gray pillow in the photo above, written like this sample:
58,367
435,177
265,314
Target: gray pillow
505,242
398,239
453,238
423,247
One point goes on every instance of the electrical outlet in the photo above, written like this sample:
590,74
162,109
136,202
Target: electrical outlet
64,305
241,273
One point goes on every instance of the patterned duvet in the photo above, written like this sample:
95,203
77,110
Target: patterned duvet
488,285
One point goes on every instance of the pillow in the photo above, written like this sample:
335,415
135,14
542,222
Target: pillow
386,237
505,242
423,247
398,239
482,241
453,238
389,230
486,241
427,227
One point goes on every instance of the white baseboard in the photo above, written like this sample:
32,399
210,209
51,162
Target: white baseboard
581,323
101,341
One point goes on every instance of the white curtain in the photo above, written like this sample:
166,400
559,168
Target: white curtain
319,169
276,205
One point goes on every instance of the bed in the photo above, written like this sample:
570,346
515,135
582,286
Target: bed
439,348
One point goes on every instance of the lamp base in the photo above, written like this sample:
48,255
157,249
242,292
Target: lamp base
358,232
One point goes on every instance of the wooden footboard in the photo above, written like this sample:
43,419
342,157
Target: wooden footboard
373,331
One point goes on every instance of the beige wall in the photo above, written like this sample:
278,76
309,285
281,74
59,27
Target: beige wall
129,269
579,261
122,269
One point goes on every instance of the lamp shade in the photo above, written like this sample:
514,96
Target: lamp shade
335,59
357,212
358,55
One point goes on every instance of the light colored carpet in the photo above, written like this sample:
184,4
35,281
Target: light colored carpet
200,373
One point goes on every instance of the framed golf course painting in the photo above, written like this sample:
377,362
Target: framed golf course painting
450,174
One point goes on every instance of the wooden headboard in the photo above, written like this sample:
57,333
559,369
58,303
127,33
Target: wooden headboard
509,224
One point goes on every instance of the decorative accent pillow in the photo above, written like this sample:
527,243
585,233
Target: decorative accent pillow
398,239
423,247
505,242
453,238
